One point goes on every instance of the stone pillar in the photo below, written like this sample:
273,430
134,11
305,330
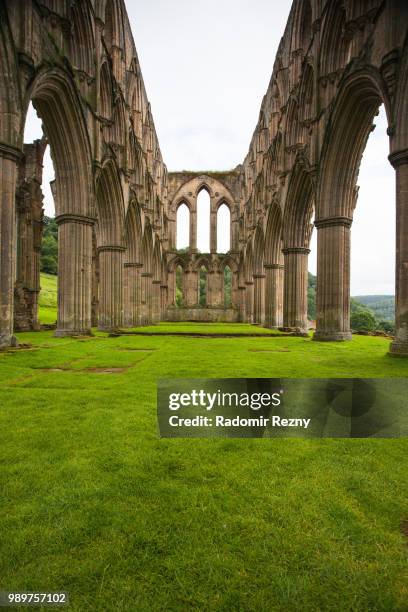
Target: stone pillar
74,275
274,274
9,157
156,306
295,289
131,294
95,282
171,288
399,160
213,230
333,279
29,211
111,287
242,303
249,301
146,298
193,230
163,301
191,288
259,299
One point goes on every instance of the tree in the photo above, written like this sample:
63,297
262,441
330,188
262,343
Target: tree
311,297
49,246
363,319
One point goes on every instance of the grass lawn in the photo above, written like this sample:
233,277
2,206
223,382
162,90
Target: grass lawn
47,306
94,503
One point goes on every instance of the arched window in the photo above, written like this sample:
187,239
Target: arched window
223,229
203,221
227,287
179,297
202,287
183,227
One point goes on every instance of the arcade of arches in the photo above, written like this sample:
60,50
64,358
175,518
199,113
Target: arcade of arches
117,206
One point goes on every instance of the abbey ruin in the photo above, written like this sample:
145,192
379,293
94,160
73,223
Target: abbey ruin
116,204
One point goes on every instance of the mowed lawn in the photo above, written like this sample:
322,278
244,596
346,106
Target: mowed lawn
95,504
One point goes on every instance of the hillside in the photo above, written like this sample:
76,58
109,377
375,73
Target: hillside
383,306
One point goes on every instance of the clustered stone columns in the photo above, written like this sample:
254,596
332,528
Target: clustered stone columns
131,293
190,287
249,301
193,229
259,299
156,301
295,289
274,274
74,274
333,273
9,158
399,160
242,303
29,211
111,287
146,298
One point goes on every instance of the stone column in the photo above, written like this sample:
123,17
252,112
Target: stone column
163,301
241,303
193,230
295,289
274,274
171,289
131,294
191,288
74,275
111,287
259,299
9,157
95,282
399,160
213,230
146,298
249,301
156,301
333,279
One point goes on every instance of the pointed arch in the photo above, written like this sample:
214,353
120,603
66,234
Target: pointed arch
110,206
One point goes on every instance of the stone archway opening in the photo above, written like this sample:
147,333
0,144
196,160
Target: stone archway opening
35,300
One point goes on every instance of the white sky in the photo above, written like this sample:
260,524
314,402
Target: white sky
206,66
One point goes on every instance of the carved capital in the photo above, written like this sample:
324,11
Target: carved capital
333,221
111,248
73,218
9,152
398,158
296,250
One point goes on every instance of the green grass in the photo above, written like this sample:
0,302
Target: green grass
94,503
203,328
47,306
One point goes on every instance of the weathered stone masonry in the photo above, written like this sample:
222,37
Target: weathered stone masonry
116,205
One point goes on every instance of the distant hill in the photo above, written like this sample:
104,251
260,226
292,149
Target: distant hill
383,306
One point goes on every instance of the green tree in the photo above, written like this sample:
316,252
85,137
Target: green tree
311,297
363,319
49,246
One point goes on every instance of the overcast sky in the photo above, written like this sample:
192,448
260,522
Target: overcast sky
206,66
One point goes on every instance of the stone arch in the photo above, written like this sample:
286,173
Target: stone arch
350,125
106,92
110,241
334,42
110,205
133,234
55,98
302,26
82,39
